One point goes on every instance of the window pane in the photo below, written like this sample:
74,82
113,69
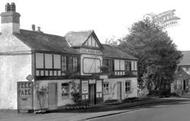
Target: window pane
48,61
70,64
57,61
122,65
116,64
75,64
63,66
39,60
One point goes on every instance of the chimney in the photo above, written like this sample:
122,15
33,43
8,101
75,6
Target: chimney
10,20
39,29
33,27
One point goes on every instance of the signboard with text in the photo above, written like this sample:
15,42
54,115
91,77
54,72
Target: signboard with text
25,95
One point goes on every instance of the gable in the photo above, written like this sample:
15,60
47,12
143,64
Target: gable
92,42
10,43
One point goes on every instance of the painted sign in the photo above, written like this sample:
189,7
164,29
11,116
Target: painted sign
99,86
84,87
90,51
25,95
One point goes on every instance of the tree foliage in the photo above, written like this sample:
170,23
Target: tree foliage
157,54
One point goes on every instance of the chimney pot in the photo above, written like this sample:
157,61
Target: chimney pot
33,27
39,29
7,7
13,7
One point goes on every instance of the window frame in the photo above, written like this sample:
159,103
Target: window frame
127,86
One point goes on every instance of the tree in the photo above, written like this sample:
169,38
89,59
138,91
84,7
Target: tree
157,54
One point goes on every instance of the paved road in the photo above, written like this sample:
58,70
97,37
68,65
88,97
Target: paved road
167,112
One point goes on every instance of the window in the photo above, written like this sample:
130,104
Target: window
106,88
109,64
134,65
75,64
56,61
127,65
65,90
127,86
119,67
55,64
48,61
39,60
63,64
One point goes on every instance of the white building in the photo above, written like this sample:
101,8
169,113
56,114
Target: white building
59,65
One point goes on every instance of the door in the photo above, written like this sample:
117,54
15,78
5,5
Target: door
52,95
92,94
119,92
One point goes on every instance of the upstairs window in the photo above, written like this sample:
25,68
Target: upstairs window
119,67
127,65
72,64
55,64
109,64
134,65
63,64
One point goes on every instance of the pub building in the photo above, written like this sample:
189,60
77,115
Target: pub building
40,70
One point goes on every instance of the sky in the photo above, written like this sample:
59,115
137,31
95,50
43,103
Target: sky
108,18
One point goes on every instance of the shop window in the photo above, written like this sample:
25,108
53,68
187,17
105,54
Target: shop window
127,86
106,88
65,90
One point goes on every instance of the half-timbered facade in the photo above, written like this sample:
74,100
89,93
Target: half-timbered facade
59,66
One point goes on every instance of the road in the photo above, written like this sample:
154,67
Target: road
167,112
172,111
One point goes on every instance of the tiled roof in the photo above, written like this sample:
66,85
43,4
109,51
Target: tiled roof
186,58
114,52
77,38
44,42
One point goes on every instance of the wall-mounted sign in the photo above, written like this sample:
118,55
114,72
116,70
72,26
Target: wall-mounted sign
25,95
84,87
99,86
92,81
90,51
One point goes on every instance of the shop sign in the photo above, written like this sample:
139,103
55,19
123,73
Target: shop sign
92,81
25,95
99,86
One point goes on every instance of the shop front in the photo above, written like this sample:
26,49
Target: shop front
91,91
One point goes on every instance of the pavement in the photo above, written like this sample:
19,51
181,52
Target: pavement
89,114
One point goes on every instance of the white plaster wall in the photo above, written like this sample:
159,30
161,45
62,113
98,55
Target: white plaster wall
13,68
88,56
112,95
60,101
10,43
9,28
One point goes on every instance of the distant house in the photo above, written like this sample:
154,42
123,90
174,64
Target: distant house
58,65
181,84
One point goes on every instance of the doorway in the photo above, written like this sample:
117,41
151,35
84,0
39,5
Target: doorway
92,94
119,91
52,95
